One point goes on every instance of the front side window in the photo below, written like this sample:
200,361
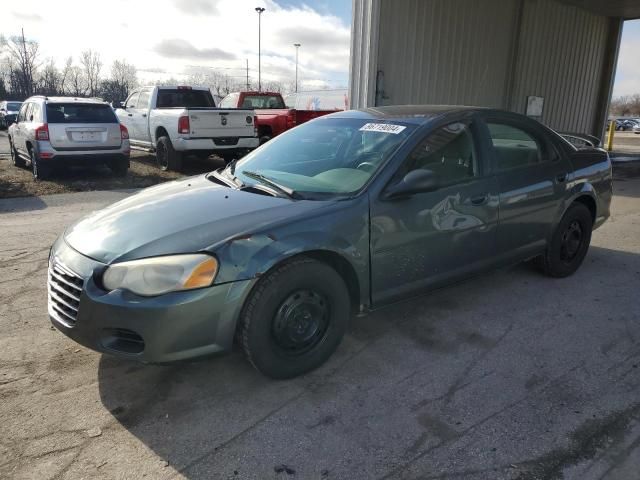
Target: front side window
327,157
513,147
449,153
22,116
143,99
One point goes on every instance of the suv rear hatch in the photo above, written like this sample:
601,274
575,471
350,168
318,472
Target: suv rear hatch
76,126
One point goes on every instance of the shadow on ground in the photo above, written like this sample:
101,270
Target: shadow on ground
509,375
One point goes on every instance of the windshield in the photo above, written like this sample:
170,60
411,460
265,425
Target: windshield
262,101
13,106
334,156
80,113
168,98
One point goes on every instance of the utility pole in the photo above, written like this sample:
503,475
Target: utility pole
247,74
259,10
297,45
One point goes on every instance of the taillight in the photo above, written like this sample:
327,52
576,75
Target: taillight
124,133
183,125
42,132
255,126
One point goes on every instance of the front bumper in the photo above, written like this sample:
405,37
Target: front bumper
209,144
167,328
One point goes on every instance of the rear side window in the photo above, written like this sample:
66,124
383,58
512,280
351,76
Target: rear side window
514,148
170,98
80,113
230,101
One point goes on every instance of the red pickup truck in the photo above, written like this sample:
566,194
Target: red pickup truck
272,115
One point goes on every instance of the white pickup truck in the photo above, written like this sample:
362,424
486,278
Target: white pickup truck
175,121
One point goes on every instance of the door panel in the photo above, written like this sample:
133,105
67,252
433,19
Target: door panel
531,178
141,117
431,238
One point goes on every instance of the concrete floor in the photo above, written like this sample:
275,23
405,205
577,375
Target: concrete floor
508,376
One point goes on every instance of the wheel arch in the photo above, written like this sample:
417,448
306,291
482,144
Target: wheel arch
160,132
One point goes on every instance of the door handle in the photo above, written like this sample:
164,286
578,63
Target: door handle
130,114
144,115
479,200
562,177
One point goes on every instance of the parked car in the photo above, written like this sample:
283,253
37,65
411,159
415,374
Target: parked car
175,121
50,132
636,129
8,112
345,214
273,117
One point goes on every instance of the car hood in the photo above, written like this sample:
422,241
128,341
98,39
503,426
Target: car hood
188,215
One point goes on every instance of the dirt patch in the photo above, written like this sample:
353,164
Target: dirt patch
19,182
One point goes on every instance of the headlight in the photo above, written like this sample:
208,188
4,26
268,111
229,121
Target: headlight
158,275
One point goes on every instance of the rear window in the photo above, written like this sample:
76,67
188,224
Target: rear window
80,113
262,101
168,98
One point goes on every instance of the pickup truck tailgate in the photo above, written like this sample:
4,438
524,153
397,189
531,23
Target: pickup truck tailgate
221,123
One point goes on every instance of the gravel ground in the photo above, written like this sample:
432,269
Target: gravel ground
508,376
18,182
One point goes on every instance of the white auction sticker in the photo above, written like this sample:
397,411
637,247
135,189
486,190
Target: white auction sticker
382,127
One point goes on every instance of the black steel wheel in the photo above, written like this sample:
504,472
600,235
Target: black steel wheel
570,242
166,156
294,318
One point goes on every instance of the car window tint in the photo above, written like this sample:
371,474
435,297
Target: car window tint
513,146
80,113
262,101
449,153
132,100
184,98
143,99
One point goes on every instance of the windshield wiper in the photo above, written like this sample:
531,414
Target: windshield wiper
266,180
230,182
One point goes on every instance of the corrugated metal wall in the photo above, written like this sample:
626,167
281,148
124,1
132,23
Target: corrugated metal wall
493,53
445,51
561,57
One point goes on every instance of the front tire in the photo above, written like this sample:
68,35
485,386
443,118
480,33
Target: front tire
295,318
569,244
166,156
15,158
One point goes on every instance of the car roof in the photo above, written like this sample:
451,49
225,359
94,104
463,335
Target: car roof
175,87
67,99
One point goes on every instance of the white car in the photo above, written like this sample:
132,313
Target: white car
8,112
54,131
175,121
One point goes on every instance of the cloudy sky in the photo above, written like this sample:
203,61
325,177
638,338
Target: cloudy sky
168,38
171,38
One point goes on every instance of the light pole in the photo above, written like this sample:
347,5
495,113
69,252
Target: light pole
297,45
259,10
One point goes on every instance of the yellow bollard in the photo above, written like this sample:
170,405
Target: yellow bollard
612,130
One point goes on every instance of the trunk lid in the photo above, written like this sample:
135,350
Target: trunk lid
77,126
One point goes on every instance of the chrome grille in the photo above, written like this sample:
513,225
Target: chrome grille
65,289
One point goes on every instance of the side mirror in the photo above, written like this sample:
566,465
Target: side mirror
416,181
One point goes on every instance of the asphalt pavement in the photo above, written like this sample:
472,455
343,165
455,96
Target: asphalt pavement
510,375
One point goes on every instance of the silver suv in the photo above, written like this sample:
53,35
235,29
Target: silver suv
54,131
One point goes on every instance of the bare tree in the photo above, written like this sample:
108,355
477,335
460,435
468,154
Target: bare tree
627,105
91,66
23,62
124,77
49,82
75,82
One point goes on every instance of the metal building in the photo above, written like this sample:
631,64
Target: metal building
552,59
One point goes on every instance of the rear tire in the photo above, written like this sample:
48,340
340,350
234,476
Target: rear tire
119,167
295,318
569,244
166,156
40,172
264,139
